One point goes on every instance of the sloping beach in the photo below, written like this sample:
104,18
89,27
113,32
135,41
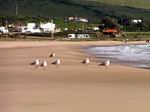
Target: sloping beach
72,87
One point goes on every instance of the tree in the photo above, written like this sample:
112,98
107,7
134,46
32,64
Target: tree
107,23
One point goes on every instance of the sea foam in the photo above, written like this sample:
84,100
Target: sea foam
138,55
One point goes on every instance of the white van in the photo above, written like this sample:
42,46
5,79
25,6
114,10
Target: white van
71,36
78,36
83,36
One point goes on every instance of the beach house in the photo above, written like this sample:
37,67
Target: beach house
113,32
30,28
48,27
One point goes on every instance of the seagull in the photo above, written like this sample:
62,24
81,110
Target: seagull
44,64
106,63
57,62
36,63
86,61
53,54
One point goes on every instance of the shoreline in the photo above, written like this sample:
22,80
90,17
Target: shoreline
142,64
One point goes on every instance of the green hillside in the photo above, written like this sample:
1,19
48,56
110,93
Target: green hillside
132,3
62,8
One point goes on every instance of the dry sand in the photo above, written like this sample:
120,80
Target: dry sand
72,87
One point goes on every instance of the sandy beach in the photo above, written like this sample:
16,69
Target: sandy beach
72,87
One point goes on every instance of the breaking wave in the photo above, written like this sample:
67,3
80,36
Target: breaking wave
135,55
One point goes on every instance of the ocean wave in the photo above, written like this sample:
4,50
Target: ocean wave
127,53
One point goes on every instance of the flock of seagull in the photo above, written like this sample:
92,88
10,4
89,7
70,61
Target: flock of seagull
37,63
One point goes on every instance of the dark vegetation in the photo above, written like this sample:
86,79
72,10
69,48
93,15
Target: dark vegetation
62,8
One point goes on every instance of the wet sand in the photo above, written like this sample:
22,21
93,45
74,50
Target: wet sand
72,87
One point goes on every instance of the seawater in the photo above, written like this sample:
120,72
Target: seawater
133,55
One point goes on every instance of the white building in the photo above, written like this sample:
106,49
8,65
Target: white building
3,30
48,27
78,19
71,18
30,28
83,20
95,28
43,27
135,21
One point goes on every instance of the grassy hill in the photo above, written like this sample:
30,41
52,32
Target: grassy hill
91,9
133,3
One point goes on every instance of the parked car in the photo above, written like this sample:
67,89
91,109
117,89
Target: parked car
79,36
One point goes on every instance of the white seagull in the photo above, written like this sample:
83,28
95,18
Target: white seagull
86,61
36,63
44,64
57,62
53,54
106,63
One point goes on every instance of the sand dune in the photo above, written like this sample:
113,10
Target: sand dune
72,87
